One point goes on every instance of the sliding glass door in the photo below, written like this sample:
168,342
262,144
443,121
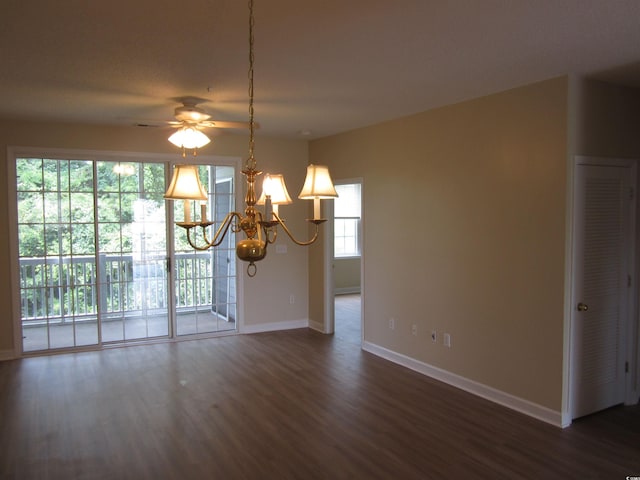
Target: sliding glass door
56,239
132,251
94,261
92,252
206,280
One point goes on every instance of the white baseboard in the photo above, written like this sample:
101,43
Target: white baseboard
317,326
7,355
273,326
566,419
489,393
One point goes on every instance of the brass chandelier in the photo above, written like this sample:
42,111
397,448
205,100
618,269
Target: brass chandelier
260,229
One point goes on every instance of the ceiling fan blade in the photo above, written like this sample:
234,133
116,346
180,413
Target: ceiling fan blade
223,124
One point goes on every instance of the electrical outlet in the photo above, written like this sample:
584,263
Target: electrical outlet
446,340
414,330
392,323
292,299
434,336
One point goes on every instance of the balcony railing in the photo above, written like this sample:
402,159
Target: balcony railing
55,289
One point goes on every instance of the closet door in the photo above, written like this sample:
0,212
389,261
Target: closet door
602,282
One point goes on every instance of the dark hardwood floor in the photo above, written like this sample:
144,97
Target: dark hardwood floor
283,405
347,318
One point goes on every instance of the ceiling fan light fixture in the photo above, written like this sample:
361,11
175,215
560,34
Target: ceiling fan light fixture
189,137
191,113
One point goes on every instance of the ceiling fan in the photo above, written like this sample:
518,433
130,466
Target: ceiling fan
190,120
190,114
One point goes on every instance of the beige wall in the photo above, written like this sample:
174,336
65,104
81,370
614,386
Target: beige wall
608,119
464,233
464,224
608,125
346,275
279,275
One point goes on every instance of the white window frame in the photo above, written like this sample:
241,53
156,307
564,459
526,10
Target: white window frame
95,155
358,226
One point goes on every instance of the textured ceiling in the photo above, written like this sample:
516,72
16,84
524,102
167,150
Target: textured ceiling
326,66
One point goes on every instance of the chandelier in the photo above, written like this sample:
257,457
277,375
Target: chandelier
260,228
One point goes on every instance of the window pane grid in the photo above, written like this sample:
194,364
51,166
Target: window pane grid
210,276
347,221
80,264
92,254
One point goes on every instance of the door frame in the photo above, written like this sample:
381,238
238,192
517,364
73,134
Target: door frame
632,321
329,289
238,197
13,152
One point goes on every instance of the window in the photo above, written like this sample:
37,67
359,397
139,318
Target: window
92,254
92,251
206,289
347,221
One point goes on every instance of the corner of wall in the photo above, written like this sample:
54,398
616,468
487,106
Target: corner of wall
7,355
512,402
573,88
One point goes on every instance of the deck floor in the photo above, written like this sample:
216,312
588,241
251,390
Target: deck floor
85,333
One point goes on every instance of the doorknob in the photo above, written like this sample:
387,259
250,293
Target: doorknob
583,307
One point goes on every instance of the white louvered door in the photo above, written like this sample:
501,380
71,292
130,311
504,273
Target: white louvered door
602,281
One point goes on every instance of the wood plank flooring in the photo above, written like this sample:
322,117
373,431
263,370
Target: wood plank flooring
283,405
347,318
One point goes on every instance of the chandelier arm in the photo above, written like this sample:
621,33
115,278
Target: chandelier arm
270,232
223,228
196,247
290,235
268,227
219,236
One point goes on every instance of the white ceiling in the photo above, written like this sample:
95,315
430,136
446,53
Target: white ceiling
326,65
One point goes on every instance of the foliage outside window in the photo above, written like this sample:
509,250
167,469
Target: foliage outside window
93,255
74,214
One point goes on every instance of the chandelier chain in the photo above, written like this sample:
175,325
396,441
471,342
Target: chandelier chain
259,229
251,162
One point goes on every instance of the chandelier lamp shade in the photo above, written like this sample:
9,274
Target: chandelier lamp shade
185,185
317,185
274,193
259,228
